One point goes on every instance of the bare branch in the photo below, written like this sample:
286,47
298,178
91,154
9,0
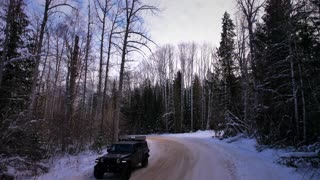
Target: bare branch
142,35
140,43
63,4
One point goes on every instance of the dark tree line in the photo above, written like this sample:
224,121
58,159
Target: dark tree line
263,80
66,82
286,47
60,85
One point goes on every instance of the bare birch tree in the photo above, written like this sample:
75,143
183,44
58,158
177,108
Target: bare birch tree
50,8
182,57
102,9
250,9
88,43
111,43
132,19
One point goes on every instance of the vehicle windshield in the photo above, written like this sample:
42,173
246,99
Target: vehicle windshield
121,148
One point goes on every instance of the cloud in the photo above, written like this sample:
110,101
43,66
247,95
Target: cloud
188,20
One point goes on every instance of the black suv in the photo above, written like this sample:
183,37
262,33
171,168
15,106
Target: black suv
122,156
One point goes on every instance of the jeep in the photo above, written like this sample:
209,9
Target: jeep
122,157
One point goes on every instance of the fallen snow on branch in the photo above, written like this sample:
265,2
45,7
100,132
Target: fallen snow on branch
233,139
300,155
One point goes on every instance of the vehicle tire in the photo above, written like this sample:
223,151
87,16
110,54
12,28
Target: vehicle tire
98,174
145,162
126,173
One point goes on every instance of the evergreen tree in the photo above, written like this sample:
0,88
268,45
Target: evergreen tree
306,52
177,103
276,74
226,60
215,107
197,103
24,139
17,74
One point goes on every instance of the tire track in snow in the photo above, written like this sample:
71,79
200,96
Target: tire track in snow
184,159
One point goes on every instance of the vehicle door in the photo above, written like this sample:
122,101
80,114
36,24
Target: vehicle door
139,152
135,157
145,148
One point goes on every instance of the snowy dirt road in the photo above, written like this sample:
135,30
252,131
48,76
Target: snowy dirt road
175,158
190,158
184,157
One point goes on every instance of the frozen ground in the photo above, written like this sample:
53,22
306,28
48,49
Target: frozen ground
189,156
71,167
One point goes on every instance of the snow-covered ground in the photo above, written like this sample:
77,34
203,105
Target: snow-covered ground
71,167
195,156
249,163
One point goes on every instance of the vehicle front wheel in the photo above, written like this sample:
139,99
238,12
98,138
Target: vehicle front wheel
145,162
98,174
126,173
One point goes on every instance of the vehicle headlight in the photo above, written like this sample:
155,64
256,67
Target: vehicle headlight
97,160
118,160
101,160
124,161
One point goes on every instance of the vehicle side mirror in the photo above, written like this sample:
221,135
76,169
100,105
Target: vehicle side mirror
108,150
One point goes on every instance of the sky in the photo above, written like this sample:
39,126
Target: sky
184,20
188,20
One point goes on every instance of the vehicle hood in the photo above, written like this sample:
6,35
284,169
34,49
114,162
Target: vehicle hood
115,156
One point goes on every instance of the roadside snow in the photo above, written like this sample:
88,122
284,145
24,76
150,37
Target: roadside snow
210,159
70,167
248,163
197,134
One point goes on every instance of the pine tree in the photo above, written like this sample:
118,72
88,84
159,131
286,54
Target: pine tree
197,102
307,47
226,60
276,74
214,91
17,75
177,102
24,139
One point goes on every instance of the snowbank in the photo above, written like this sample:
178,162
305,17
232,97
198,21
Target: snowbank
69,166
197,134
241,154
249,163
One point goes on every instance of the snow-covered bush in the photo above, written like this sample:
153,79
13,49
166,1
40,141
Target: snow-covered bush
21,144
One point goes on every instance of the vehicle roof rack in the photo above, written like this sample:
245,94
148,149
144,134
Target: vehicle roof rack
132,138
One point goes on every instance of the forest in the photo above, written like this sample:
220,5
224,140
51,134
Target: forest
74,77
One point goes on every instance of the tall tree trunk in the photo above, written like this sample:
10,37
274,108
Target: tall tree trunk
48,92
244,74
303,104
209,110
86,60
193,46
250,10
131,14
99,94
104,105
57,72
166,106
191,106
44,65
182,102
71,91
119,92
294,87
6,40
204,104
253,63
39,43
66,130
